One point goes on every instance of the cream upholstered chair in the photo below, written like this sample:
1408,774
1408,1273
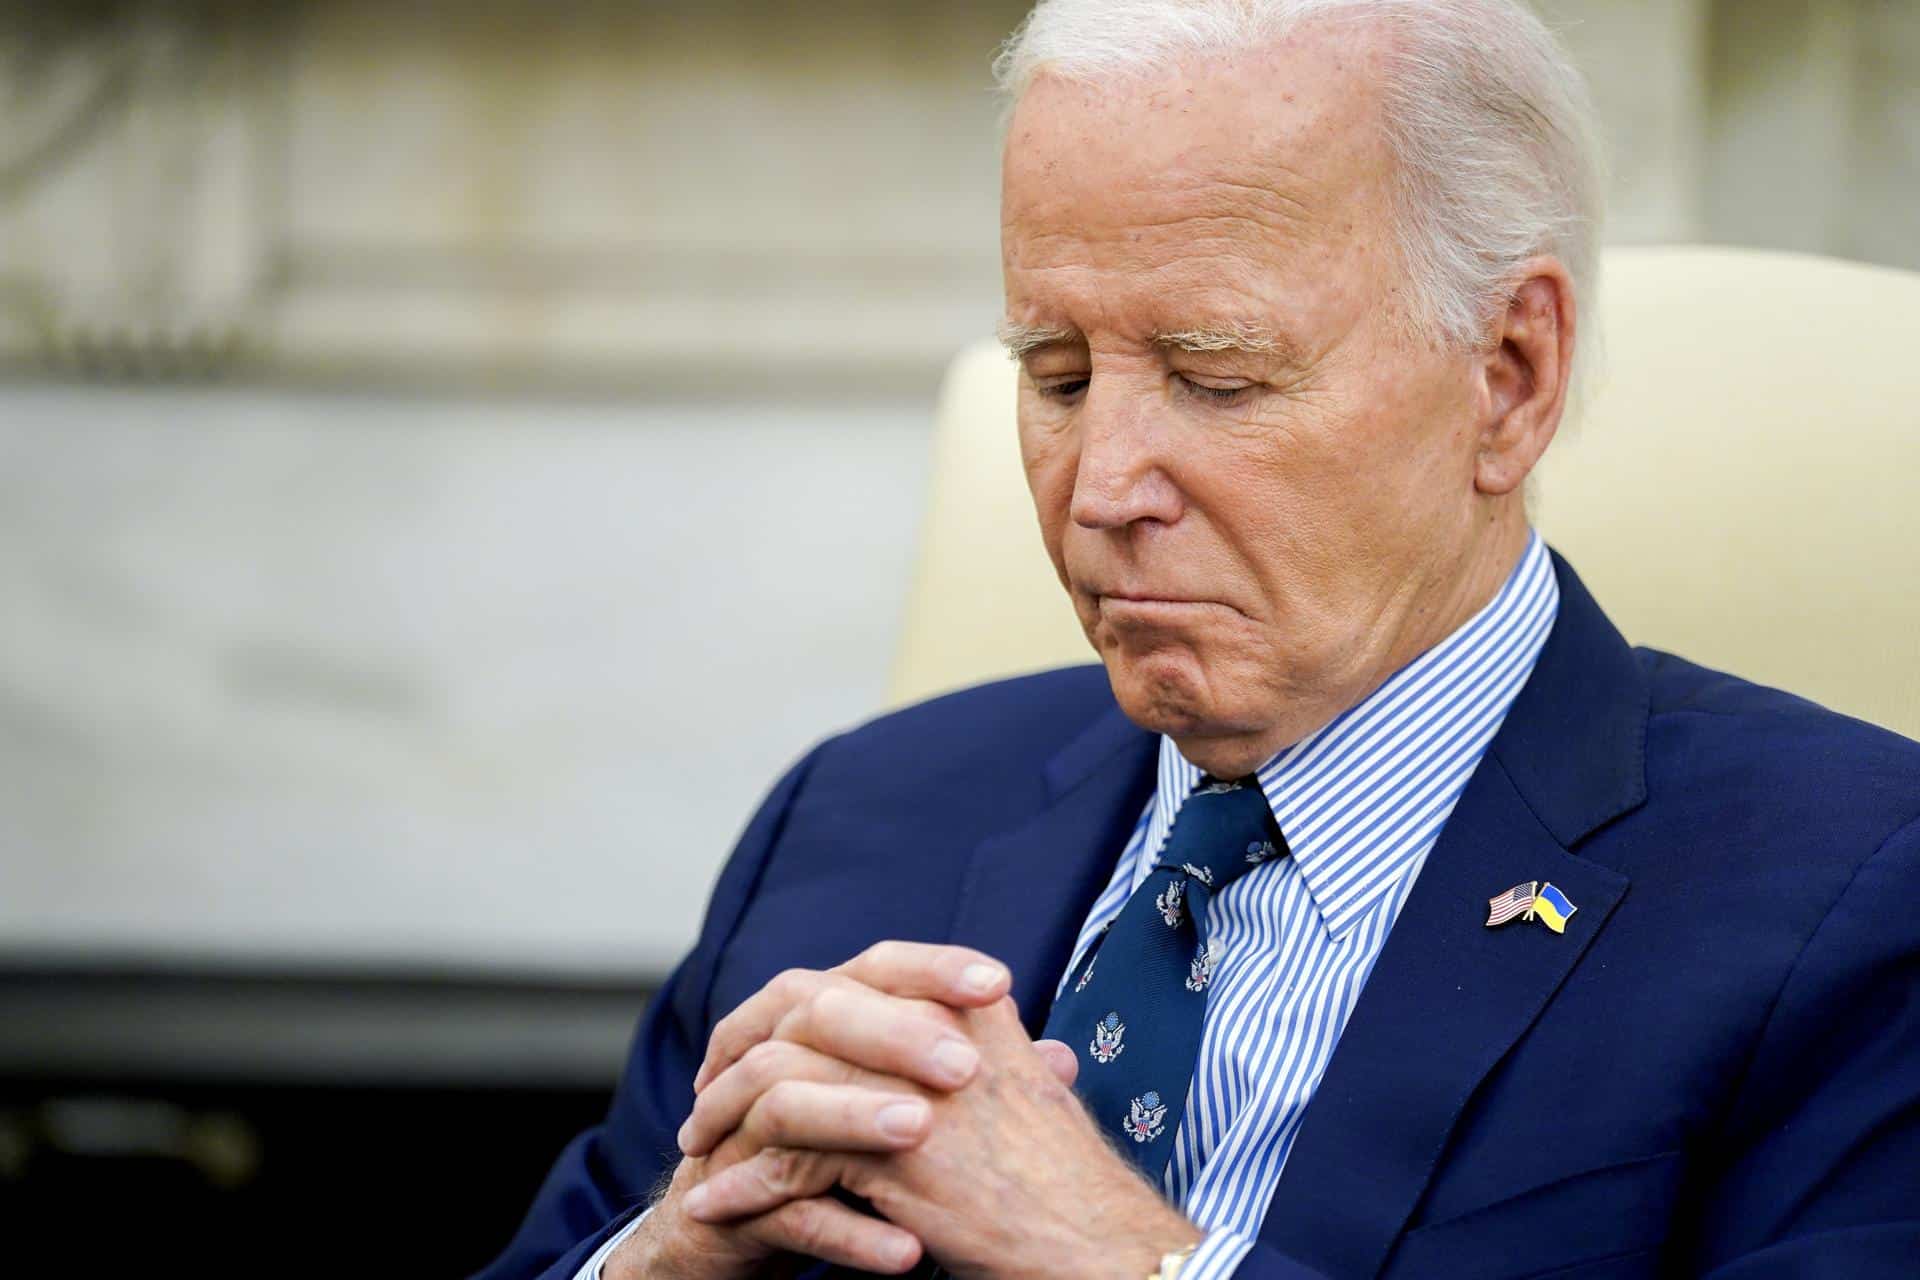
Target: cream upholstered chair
1743,489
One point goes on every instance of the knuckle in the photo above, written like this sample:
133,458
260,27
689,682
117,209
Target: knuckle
717,1042
762,1062
884,954
831,1003
772,1117
793,984
783,1095
795,1023
785,1170
827,1006
807,1224
843,983
723,1044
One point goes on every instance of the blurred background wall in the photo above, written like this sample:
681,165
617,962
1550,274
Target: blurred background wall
454,452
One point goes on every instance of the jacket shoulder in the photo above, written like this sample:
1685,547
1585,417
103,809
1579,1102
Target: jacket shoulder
1040,712
1780,755
1000,731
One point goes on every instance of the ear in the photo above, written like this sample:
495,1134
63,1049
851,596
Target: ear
1524,376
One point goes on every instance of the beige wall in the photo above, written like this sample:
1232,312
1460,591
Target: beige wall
718,196
312,667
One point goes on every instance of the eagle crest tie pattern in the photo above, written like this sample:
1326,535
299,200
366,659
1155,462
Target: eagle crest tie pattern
1135,1023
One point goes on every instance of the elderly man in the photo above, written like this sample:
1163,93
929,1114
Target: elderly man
1374,909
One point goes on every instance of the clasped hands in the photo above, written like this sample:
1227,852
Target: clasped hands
905,1077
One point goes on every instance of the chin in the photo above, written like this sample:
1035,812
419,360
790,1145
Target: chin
1165,690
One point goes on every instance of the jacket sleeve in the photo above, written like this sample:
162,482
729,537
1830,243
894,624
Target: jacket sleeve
1821,1173
603,1177
1264,1262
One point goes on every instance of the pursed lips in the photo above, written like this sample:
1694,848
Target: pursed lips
1146,600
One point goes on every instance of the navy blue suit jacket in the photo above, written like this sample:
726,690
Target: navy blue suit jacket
1715,1071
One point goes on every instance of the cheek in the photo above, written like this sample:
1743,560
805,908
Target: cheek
1296,505
1386,450
1424,474
1051,460
1274,490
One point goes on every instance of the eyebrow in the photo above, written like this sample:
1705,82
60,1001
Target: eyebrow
1241,336
1022,340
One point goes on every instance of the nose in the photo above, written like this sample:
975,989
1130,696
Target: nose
1120,479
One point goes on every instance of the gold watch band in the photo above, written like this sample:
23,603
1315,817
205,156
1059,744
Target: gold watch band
1171,1264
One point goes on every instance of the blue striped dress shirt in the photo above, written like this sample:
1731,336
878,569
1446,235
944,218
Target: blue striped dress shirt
1361,802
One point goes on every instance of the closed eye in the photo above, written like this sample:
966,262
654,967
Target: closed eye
1060,388
1212,394
1070,388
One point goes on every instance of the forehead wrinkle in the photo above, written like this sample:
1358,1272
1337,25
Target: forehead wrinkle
1278,205
1206,211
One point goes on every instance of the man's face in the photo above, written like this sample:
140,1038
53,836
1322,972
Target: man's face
1255,535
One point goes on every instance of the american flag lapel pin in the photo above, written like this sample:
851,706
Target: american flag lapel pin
1514,903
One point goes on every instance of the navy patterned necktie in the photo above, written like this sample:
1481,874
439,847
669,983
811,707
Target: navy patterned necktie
1133,1011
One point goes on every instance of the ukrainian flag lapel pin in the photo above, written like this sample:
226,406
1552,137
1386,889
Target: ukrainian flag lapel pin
1553,908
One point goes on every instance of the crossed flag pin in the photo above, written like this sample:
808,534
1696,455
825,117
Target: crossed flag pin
1534,901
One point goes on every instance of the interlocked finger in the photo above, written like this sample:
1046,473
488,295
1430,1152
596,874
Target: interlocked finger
912,1039
753,1021
767,1180
956,976
835,1117
830,1231
720,1108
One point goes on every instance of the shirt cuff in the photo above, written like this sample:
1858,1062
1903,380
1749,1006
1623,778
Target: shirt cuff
590,1270
1218,1256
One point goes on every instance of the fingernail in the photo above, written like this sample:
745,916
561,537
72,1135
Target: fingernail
697,1200
979,979
684,1136
900,1253
955,1060
902,1119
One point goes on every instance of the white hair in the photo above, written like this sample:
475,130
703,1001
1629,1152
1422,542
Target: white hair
1489,122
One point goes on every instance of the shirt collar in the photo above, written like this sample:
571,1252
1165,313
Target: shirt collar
1361,800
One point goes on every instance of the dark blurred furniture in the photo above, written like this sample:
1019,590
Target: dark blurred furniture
247,1125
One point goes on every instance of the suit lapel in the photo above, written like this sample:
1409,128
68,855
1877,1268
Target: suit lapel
1027,891
1449,997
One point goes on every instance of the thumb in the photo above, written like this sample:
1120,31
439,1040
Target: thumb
1061,1060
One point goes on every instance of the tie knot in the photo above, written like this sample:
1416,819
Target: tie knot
1224,830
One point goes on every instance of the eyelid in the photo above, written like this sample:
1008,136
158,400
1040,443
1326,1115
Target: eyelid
1053,363
1051,385
1215,395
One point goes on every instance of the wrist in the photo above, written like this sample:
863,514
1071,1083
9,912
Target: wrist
1143,1255
1174,1262
629,1259
1132,1229
647,1252
1169,1253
